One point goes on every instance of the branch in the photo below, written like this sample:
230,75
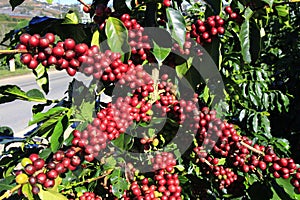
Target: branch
8,193
13,51
83,3
89,180
252,149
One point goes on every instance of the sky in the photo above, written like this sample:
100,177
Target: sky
71,1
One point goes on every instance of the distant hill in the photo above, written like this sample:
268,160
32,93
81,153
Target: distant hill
30,8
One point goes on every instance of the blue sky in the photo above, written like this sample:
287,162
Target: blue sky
71,1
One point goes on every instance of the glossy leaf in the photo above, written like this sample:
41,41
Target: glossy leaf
244,36
96,39
176,25
270,2
117,36
26,190
10,93
57,135
39,117
71,18
110,163
160,53
119,187
46,195
42,78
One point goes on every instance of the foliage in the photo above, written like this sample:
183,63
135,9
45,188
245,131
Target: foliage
152,136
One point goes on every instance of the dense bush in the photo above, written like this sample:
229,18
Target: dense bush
195,93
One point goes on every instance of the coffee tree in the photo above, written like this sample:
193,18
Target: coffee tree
178,106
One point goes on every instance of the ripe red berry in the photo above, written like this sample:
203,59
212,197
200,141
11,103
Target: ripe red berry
39,163
33,64
24,38
34,41
26,58
49,183
44,42
30,169
52,174
228,10
41,178
71,71
69,44
50,37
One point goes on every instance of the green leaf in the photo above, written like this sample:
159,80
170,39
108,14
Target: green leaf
288,187
182,69
6,183
242,115
26,190
42,77
183,179
12,92
110,163
117,36
85,111
35,94
176,25
119,187
39,117
286,101
49,1
124,142
46,195
282,10
255,123
45,153
15,3
96,39
244,36
71,18
160,53
57,135
206,94
265,122
270,2
222,161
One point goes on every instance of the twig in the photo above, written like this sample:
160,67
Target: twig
8,193
83,3
89,180
252,149
14,51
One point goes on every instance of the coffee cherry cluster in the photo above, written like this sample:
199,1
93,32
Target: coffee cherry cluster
38,48
232,15
164,184
64,55
138,41
189,48
135,77
224,176
36,171
164,161
204,31
89,196
295,181
106,67
224,141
